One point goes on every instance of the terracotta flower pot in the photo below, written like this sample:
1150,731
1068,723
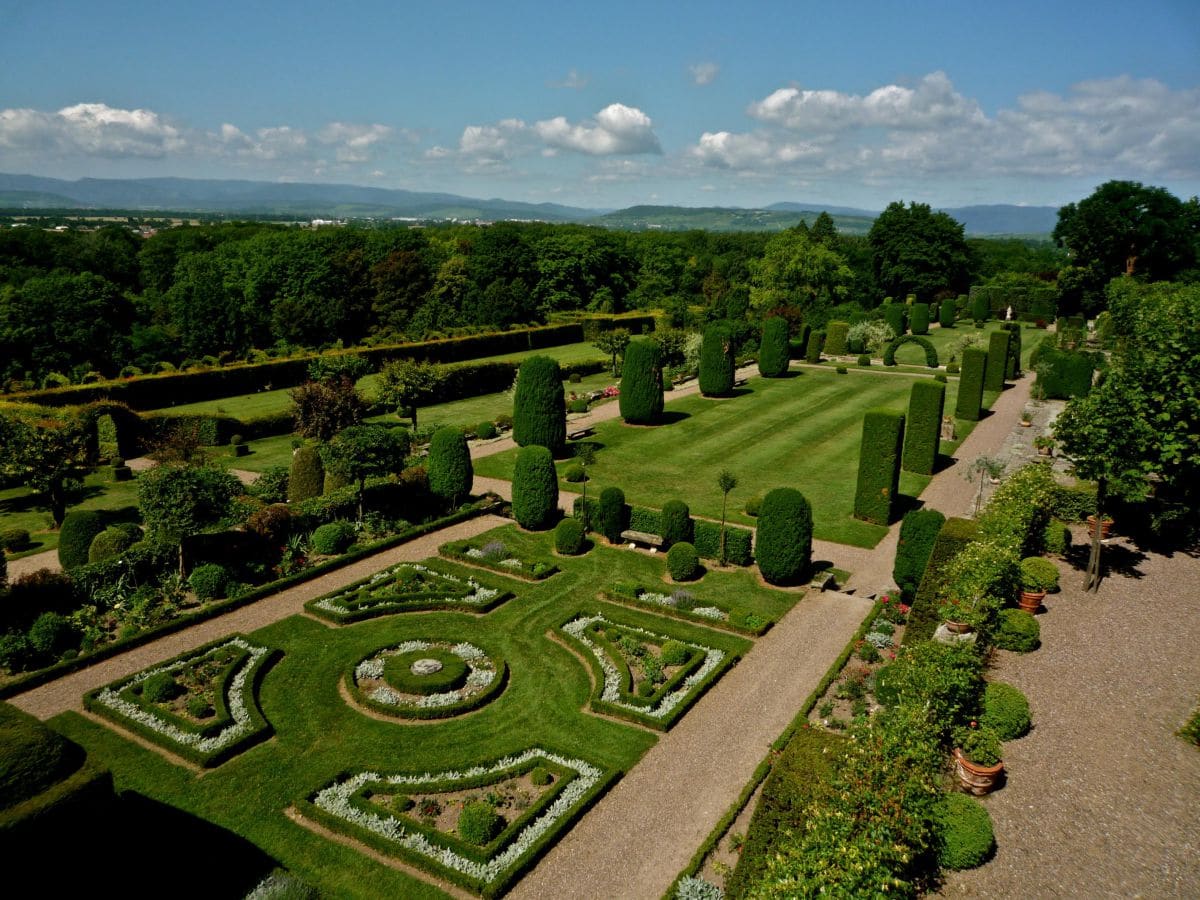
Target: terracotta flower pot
1031,601
1026,424
1105,527
976,779
958,627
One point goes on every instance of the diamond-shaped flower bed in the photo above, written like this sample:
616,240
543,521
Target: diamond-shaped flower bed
479,828
427,679
404,588
496,556
202,706
642,675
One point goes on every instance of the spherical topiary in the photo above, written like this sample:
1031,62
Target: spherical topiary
641,391
449,467
1006,710
773,350
967,836
332,538
14,540
110,543
676,523
160,688
673,653
534,488
753,505
611,516
479,822
209,581
79,529
575,474
568,537
716,362
306,477
574,378
783,544
539,409
1017,630
51,633
485,431
541,776
1038,574
864,359
682,561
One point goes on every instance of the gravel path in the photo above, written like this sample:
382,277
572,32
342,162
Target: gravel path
67,692
48,559
1102,796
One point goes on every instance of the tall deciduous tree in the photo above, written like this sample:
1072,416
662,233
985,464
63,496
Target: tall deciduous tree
323,408
408,384
47,455
917,251
179,501
613,342
795,271
365,451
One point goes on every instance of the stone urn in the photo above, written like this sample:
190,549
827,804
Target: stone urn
975,779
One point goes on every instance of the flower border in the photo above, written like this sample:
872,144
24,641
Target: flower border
461,552
497,684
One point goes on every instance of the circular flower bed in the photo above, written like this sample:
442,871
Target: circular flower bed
427,679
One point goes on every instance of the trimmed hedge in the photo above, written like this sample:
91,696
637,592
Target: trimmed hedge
923,616
773,350
1012,367
997,361
306,477
920,318
534,488
32,757
449,465
812,347
79,529
738,542
783,544
835,338
676,522
1063,374
641,392
946,314
539,407
716,362
889,352
966,829
918,532
706,535
879,466
923,428
894,314
970,385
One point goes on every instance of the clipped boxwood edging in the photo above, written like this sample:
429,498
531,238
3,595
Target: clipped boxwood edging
460,551
438,711
727,624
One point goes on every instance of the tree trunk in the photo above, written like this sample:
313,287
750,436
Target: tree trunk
724,501
1091,580
58,503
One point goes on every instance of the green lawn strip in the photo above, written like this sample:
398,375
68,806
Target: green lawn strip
264,453
21,508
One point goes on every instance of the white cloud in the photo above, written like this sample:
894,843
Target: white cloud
353,143
616,130
704,73
575,81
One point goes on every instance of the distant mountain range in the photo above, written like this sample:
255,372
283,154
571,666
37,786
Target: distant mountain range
300,200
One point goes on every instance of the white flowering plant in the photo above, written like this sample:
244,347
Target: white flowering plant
406,587
483,677
498,557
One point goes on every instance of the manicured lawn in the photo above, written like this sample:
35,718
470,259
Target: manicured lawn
264,453
947,341
20,508
803,431
318,736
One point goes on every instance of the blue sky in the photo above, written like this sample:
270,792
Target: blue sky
616,103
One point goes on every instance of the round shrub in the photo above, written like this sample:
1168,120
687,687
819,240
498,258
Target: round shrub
673,653
753,505
568,537
641,391
1038,574
967,837
1005,710
332,538
79,529
575,474
306,477
14,540
539,409
1017,630
51,633
611,517
534,488
842,370
485,431
449,466
676,523
864,359
578,405
783,546
160,687
773,350
716,362
952,368
236,440
479,822
541,776
682,561
941,377
574,378
110,543
210,581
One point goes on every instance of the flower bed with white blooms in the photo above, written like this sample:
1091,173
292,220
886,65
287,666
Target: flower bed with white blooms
404,588
481,678
495,555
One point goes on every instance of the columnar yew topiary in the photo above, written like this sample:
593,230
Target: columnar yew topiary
997,361
534,488
923,429
773,350
894,314
449,465
980,311
716,362
611,517
783,543
306,477
879,466
79,529
920,318
835,338
946,313
641,396
539,410
812,348
676,523
970,384
918,532
1012,367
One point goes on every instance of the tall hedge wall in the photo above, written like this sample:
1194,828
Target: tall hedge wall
894,315
946,313
920,318
783,538
539,408
879,466
1063,374
773,350
954,535
716,362
970,384
534,488
835,338
1012,367
918,532
923,430
641,396
997,361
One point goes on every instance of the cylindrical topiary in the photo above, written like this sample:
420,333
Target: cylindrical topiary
919,318
1012,368
1005,710
967,835
676,523
539,408
879,466
997,361
534,488
773,350
812,348
110,543
611,517
641,392
970,385
946,313
835,338
568,536
894,315
306,477
980,310
783,543
79,529
923,428
449,465
918,532
682,561
716,362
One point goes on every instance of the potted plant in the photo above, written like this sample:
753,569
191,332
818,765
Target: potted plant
960,616
1106,523
1044,444
1038,576
1027,417
977,762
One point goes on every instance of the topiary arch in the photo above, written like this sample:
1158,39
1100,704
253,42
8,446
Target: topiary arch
931,357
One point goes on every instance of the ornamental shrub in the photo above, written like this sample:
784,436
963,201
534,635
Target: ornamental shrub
923,619
332,538
946,314
306,477
673,653
1005,711
79,529
918,532
52,633
737,542
682,561
835,338
612,515
272,523
676,523
1018,631
773,350
539,409
160,687
716,362
335,481
33,758
485,431
535,488
753,505
1038,574
966,829
541,776
879,466
271,486
979,307
997,361
970,384
920,318
111,543
14,540
449,465
812,349
568,536
578,405
923,427
1056,538
783,545
889,352
575,474
894,314
641,392
479,822
210,581
945,678
1063,374
1012,365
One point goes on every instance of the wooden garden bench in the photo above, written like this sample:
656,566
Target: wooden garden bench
741,382
641,537
580,434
